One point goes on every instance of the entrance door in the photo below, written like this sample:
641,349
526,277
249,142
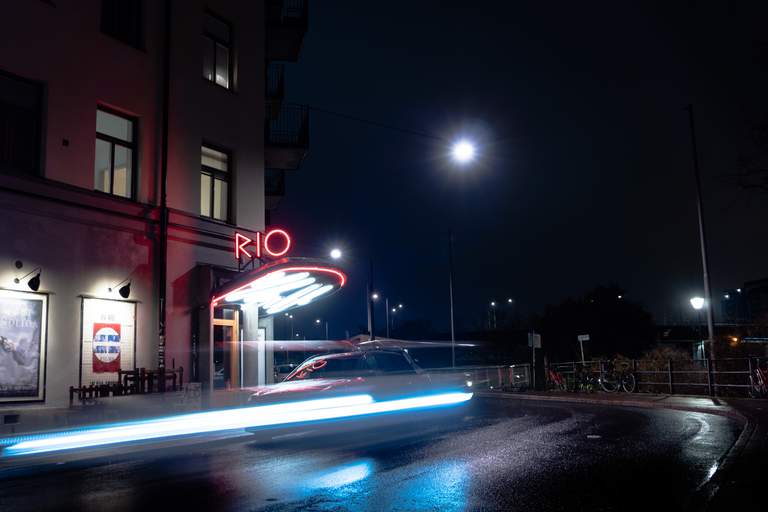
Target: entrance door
226,348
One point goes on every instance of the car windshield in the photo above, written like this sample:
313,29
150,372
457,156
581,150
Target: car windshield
390,363
322,367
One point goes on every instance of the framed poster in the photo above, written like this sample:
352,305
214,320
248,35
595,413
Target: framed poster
23,338
108,339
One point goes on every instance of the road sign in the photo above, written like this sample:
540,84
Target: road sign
534,340
583,337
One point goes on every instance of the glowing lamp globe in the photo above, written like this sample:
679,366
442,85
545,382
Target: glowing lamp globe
463,151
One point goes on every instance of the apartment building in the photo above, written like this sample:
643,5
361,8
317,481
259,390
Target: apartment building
141,144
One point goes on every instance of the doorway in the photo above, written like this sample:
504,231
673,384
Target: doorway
227,349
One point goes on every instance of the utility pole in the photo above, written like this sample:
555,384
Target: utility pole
702,239
370,303
386,303
450,296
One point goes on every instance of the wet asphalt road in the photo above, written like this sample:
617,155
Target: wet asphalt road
499,454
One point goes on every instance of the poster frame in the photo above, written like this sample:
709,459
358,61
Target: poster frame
82,320
42,377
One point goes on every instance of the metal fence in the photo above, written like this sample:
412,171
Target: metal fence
516,377
714,377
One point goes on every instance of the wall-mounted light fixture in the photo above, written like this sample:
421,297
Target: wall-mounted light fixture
33,283
124,290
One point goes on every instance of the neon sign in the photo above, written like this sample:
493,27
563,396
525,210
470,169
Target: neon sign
275,243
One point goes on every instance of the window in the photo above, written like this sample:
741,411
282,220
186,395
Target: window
217,51
20,115
115,153
391,363
330,367
215,179
122,19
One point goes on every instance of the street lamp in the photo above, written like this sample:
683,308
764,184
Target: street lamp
463,151
492,315
335,253
697,303
319,322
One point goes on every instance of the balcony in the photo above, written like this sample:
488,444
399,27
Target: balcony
286,22
274,187
287,138
275,89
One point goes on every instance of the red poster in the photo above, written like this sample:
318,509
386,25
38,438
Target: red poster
106,348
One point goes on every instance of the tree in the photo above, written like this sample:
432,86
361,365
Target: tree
615,325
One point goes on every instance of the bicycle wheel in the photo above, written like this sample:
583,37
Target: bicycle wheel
609,382
628,382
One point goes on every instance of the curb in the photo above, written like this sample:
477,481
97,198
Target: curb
655,403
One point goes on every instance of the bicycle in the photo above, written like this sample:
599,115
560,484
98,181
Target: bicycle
584,380
556,380
612,380
758,381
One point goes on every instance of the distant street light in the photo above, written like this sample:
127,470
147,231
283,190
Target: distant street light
317,321
335,253
509,301
375,296
697,303
400,306
463,151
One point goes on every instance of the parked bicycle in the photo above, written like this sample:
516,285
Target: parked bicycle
612,379
758,381
584,380
557,380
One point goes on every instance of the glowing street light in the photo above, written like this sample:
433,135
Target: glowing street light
335,253
463,151
697,303
317,321
400,306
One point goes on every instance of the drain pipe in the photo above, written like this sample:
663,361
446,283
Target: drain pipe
163,245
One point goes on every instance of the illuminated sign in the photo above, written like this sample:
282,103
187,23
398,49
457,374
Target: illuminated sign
274,243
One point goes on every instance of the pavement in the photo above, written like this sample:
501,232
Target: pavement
502,452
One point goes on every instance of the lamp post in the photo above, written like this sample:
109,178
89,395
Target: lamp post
702,238
319,322
492,315
463,152
698,303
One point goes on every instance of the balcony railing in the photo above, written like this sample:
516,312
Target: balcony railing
274,187
286,27
275,89
287,137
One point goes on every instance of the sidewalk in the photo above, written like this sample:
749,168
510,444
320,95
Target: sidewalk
712,405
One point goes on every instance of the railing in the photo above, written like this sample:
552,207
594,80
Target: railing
291,128
275,80
294,9
516,377
131,382
274,182
732,376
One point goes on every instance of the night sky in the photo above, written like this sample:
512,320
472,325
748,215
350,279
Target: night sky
585,173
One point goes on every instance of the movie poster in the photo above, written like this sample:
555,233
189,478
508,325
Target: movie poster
108,339
106,348
23,318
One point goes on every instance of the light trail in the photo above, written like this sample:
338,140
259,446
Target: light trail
289,413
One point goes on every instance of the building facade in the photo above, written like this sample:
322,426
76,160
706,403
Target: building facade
137,139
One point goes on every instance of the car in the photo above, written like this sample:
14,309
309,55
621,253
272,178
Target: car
395,390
